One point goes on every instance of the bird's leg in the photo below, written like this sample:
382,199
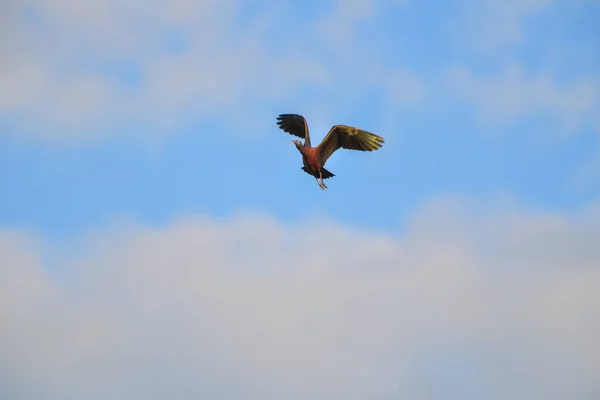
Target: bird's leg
319,183
322,182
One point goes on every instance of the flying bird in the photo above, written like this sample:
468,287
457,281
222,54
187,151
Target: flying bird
339,136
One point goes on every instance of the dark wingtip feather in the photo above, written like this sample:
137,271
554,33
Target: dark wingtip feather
293,124
281,117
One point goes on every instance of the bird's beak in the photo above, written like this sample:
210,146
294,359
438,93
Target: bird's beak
291,141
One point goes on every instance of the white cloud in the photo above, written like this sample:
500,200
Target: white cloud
497,23
587,175
340,27
77,70
64,75
252,308
513,94
405,87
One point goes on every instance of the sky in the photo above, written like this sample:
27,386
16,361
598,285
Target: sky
159,239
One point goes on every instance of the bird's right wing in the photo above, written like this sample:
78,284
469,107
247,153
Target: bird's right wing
347,137
294,124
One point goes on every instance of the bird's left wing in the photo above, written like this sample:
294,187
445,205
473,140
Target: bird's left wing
347,137
294,124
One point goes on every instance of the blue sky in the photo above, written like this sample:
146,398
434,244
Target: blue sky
468,105
123,120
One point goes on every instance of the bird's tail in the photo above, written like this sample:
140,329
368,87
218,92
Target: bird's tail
326,174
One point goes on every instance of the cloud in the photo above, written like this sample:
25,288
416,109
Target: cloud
498,24
405,87
587,175
512,95
341,25
82,70
468,302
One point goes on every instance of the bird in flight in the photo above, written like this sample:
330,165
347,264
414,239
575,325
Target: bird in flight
339,136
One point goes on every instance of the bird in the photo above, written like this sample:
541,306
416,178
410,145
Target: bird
339,136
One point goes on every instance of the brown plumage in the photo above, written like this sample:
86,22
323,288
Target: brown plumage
339,136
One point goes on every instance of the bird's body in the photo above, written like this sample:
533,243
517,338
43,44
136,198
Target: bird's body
339,136
312,164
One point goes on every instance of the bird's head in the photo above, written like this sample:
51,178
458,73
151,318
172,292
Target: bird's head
297,143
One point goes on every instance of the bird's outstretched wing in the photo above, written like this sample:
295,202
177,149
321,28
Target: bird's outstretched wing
347,137
296,125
